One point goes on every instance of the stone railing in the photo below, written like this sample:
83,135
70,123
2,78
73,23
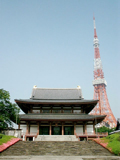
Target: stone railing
92,134
83,134
102,134
28,134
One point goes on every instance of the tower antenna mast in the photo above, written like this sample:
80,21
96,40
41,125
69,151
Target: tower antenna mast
99,83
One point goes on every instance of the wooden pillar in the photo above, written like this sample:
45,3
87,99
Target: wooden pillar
19,126
61,109
94,126
62,128
41,109
72,109
74,128
85,128
27,129
81,109
25,138
50,130
38,124
51,109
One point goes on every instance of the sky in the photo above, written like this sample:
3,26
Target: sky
49,43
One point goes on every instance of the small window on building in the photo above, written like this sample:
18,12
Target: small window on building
67,111
45,111
76,111
56,111
36,111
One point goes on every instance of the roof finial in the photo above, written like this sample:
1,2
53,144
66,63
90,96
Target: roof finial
34,86
78,87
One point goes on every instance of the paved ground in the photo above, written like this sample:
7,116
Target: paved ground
59,157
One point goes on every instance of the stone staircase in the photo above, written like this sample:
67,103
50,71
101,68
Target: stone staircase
56,138
42,148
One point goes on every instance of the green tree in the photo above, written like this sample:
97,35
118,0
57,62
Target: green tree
8,110
104,129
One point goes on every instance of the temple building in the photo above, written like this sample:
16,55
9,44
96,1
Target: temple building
57,112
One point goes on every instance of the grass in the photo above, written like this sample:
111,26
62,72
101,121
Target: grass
5,138
113,142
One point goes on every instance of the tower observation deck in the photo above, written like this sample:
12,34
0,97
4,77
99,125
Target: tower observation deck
99,83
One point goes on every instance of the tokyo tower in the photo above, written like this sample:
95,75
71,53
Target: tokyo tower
99,83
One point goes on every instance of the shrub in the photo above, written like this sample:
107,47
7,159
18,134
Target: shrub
113,141
104,129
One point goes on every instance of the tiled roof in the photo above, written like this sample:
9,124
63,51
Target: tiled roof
55,116
42,93
55,101
42,96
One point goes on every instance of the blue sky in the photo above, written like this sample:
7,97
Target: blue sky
49,43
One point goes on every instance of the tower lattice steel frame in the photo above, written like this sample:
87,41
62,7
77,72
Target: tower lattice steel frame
99,83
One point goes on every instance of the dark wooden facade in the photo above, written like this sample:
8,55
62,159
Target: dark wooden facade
61,112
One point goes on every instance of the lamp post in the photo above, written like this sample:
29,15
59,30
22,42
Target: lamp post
17,116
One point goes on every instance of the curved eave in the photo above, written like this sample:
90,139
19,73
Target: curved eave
90,104
99,119
54,101
61,117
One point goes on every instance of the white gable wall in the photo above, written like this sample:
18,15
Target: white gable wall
89,128
79,129
24,128
33,128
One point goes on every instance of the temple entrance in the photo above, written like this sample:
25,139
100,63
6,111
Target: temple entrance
56,130
44,130
68,130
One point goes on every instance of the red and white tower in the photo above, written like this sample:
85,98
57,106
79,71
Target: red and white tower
99,83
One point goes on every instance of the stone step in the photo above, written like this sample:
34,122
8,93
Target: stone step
56,138
55,148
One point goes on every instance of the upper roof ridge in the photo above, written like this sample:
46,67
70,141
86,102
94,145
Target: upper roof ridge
58,88
35,87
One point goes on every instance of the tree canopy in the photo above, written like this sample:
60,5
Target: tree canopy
8,110
104,129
